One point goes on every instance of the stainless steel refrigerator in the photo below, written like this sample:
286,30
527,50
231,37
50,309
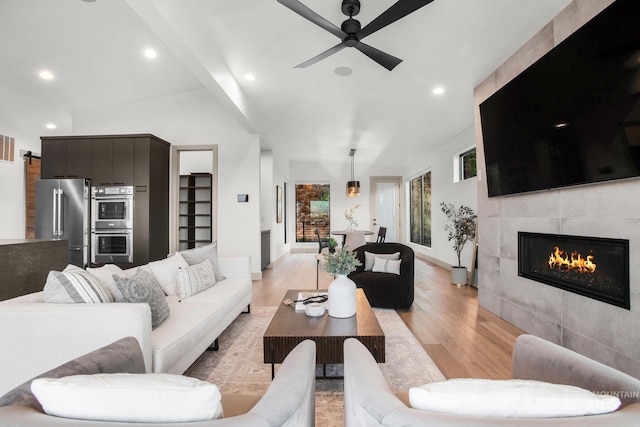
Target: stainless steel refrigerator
62,212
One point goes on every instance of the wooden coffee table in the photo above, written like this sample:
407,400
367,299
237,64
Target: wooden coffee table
290,327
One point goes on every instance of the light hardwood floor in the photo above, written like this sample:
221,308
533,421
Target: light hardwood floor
463,339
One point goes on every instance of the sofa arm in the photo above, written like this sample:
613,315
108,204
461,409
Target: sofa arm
367,396
235,266
40,336
538,359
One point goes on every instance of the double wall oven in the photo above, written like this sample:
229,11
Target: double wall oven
112,224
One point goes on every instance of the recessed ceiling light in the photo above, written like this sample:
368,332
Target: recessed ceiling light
250,77
150,53
51,126
561,125
343,71
438,90
46,75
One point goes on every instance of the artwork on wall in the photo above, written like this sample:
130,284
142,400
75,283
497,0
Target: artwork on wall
278,204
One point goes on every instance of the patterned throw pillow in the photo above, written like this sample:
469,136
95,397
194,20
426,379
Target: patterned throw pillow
195,278
383,265
144,287
370,258
72,285
198,255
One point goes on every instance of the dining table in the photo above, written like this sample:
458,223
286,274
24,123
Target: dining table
343,233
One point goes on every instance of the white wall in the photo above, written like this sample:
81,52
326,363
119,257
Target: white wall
444,189
280,176
197,118
12,182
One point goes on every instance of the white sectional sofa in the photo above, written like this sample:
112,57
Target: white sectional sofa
38,336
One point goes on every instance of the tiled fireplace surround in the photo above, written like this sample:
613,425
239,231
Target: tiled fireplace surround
601,331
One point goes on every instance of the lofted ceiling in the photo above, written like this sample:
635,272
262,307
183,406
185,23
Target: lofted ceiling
94,49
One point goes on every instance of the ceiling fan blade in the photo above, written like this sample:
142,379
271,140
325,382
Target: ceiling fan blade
309,14
399,10
387,61
323,55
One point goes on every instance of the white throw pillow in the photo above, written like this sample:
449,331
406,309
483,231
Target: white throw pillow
105,275
72,285
382,265
195,278
166,271
142,398
510,398
370,258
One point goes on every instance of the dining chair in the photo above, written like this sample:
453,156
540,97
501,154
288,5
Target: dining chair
382,234
354,240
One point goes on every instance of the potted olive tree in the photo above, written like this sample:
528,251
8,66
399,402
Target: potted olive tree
461,228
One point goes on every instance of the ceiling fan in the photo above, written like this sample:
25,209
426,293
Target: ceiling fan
351,33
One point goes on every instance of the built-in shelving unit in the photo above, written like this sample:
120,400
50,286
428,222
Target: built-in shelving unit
195,210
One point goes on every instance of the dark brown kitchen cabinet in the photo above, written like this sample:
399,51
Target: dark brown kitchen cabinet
102,161
151,198
54,158
141,160
112,161
79,158
66,158
123,161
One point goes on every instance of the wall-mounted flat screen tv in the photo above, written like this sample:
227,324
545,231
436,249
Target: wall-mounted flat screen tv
573,117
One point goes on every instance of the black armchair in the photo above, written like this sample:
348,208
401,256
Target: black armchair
386,290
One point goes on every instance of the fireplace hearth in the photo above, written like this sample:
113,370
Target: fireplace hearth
590,266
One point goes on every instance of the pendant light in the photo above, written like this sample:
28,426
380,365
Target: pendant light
353,186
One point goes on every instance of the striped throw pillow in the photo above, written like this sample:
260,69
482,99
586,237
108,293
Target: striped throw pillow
384,265
195,278
73,285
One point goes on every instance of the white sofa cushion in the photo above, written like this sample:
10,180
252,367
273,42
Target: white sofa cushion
74,285
195,279
192,328
166,271
509,398
227,293
144,398
143,287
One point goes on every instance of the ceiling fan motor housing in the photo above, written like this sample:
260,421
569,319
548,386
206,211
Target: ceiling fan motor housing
350,7
351,27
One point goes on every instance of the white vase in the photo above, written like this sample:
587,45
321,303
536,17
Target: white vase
342,297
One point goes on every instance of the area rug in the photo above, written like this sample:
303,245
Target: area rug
237,367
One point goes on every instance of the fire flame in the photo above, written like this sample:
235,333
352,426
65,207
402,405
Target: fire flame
563,261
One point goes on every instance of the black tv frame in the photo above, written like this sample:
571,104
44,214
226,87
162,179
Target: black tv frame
573,117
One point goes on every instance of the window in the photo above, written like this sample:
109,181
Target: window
312,211
468,164
420,210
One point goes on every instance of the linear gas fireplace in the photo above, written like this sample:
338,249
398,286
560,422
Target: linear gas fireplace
591,266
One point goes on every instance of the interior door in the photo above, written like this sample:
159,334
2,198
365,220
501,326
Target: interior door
385,206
